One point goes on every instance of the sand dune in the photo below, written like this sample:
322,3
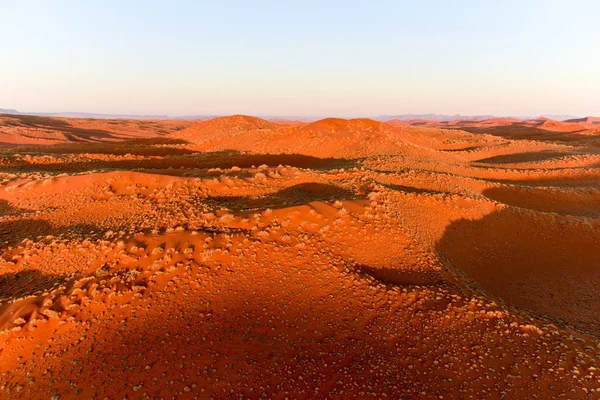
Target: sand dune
332,259
26,129
224,128
588,120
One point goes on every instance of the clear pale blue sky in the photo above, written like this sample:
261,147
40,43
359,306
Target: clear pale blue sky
322,58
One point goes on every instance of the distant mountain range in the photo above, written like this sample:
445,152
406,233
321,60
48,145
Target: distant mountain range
455,117
433,117
82,115
70,114
402,117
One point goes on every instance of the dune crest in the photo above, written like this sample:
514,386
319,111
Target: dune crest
223,127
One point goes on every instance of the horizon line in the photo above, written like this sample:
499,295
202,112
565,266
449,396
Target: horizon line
304,118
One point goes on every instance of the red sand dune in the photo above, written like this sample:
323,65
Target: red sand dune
25,129
239,257
397,122
560,126
588,120
509,127
223,128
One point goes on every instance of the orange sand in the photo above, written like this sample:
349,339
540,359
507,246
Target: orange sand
243,258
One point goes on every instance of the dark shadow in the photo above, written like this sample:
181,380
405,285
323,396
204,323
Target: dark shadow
231,158
14,232
206,160
6,209
65,126
247,352
568,180
33,121
58,125
517,130
294,195
594,122
523,157
470,148
564,201
550,181
30,282
138,147
397,277
542,263
411,189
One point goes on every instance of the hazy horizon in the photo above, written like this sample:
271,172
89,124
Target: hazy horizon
340,59
306,118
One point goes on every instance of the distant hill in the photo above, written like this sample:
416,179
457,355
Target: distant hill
70,114
589,120
19,129
433,117
559,117
459,117
203,117
191,117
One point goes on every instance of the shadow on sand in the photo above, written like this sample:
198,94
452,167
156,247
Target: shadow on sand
182,159
542,263
294,195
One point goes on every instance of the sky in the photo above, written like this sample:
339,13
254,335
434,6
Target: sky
301,58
